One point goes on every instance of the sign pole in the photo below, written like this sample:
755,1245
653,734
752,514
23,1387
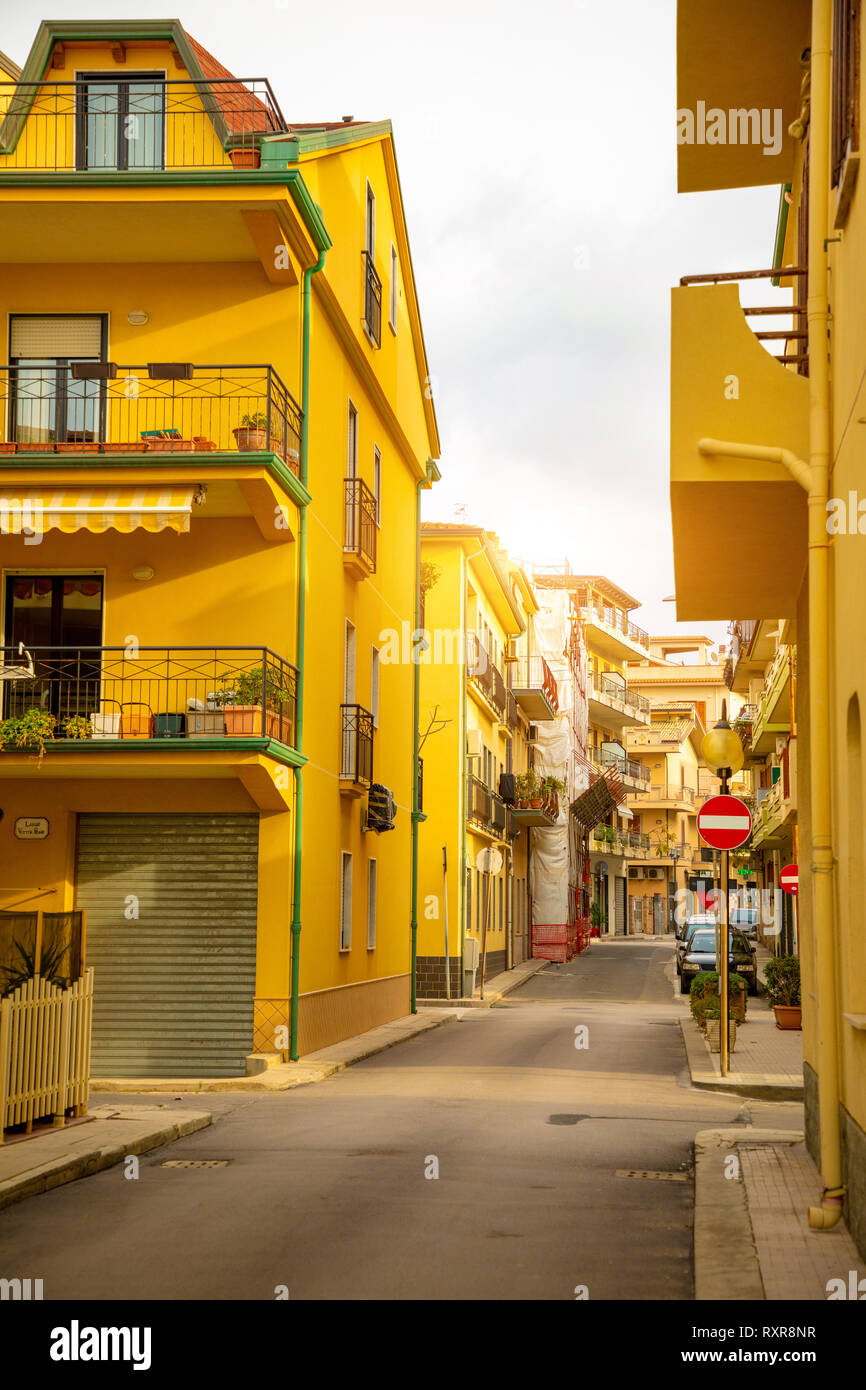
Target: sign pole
722,965
484,929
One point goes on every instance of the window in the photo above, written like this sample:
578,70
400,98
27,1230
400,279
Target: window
469,898
370,224
845,94
377,482
345,901
371,905
350,731
120,125
352,443
374,686
49,404
395,288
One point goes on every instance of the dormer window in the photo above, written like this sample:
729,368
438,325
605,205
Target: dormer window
120,122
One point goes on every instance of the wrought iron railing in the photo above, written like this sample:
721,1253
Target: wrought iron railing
163,407
686,794
609,688
511,712
356,763
793,340
479,801
613,621
372,299
361,528
628,767
138,123
533,673
157,693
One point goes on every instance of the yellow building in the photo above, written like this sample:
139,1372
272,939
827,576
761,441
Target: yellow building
482,687
766,447
217,420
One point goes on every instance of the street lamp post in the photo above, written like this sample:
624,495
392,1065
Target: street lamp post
722,751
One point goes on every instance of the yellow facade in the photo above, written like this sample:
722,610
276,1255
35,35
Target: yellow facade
770,451
202,256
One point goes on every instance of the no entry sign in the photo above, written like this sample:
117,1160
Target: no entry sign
789,879
724,822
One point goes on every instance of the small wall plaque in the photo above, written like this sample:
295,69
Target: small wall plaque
31,828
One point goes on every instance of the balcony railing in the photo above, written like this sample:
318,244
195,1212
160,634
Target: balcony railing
164,407
144,124
793,340
628,767
361,526
740,631
615,622
109,693
532,674
608,688
628,842
486,676
686,794
479,801
511,712
356,764
489,810
372,300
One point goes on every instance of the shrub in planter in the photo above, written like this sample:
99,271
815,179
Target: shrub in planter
782,981
77,726
705,988
242,705
251,435
30,730
713,1016
529,790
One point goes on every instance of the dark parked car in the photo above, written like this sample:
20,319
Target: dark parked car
687,931
701,955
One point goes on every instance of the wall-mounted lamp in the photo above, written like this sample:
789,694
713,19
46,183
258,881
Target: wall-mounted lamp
138,317
143,572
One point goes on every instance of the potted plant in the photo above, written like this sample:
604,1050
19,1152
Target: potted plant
528,788
713,1016
242,706
31,730
782,981
597,918
77,726
551,788
251,436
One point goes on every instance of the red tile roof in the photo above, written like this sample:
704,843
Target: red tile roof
243,111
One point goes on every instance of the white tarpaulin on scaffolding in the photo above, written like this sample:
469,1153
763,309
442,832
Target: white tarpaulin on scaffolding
556,742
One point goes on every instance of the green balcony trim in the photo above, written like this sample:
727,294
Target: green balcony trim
271,747
87,462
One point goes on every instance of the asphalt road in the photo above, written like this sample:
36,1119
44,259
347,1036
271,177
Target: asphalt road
326,1192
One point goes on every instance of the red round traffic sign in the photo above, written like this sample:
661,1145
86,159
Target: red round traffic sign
789,879
724,822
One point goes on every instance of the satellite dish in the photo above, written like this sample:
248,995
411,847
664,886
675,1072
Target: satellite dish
489,860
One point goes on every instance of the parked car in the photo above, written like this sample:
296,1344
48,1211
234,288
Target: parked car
686,932
701,955
746,919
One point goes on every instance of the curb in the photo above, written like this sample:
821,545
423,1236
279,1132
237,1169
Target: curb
316,1066
69,1167
726,1259
704,1076
491,998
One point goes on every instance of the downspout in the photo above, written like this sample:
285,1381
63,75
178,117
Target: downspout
814,478
417,814
302,616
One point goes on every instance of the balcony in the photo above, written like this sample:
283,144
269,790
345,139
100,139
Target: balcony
151,125
773,714
362,528
534,688
105,411
485,678
356,761
665,738
672,798
512,716
727,386
372,300
487,811
632,773
629,844
614,706
610,632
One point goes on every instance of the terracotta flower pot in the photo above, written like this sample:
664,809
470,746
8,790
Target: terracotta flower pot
788,1016
243,721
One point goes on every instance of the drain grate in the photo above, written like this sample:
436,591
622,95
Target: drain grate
647,1173
195,1163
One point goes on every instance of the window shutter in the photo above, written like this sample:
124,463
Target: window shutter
46,335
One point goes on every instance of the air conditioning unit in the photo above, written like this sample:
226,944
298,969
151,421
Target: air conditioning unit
635,872
654,873
474,747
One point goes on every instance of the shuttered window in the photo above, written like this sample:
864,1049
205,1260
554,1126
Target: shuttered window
371,904
346,902
52,336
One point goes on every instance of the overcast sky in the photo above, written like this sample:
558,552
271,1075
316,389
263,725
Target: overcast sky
536,147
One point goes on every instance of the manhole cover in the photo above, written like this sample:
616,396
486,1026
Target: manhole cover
195,1163
565,1119
646,1173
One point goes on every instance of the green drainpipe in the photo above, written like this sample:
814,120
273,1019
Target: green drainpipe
417,814
302,614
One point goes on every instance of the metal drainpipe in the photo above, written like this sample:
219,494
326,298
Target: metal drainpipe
814,478
302,615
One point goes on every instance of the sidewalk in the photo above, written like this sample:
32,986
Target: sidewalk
495,988
105,1136
313,1066
752,1237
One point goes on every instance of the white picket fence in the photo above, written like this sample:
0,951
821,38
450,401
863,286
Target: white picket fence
44,1051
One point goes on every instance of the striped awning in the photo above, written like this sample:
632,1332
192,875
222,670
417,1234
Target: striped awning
97,510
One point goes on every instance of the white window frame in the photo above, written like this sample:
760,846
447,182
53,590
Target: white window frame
394,289
377,482
345,900
374,685
372,902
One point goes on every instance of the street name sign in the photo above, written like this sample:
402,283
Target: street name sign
789,879
724,822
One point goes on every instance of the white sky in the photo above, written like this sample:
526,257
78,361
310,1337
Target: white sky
536,147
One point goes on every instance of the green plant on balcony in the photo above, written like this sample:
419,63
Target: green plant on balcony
529,790
664,846
31,730
252,433
77,726
241,700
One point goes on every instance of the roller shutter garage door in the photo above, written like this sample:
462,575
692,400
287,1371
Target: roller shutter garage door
621,906
174,984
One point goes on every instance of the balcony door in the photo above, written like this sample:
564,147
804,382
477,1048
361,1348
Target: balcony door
49,405
56,617
120,124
